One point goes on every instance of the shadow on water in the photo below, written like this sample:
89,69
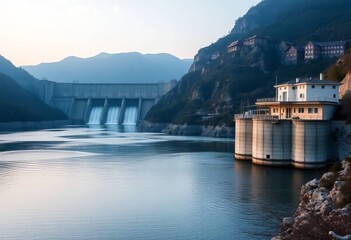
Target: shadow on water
14,146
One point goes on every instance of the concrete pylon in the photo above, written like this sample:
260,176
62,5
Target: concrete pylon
121,112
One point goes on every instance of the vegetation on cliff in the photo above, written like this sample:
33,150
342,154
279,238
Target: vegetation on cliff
338,71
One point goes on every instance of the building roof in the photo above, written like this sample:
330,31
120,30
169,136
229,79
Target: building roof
235,43
256,36
310,81
297,48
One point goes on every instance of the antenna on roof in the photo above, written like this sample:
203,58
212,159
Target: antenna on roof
276,89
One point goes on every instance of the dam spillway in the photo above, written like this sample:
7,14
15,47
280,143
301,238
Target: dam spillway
103,103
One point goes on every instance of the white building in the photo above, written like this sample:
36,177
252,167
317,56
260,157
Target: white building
308,90
314,99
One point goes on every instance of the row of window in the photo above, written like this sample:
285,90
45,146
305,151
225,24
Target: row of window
299,110
302,87
310,110
331,52
310,53
329,47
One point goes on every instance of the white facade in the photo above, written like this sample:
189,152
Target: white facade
308,91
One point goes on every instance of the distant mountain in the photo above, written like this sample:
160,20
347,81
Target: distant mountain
219,83
113,68
20,105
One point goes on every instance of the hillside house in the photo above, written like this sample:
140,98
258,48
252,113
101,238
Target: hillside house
294,55
235,46
314,50
255,40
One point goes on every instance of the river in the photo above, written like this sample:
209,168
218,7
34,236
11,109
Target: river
118,183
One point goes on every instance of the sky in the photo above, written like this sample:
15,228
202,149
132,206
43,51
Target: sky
36,31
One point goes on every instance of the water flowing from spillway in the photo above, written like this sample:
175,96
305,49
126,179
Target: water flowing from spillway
112,115
95,115
130,115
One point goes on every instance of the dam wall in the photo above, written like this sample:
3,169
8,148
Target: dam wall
103,103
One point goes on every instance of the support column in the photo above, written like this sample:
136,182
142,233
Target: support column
121,112
104,112
139,109
71,108
87,111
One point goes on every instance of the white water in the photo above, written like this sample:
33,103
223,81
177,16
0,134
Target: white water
95,115
130,115
112,115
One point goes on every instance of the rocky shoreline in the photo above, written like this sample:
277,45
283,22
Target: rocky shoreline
325,208
188,130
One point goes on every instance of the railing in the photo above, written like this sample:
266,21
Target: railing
266,100
315,99
267,117
323,99
275,117
243,115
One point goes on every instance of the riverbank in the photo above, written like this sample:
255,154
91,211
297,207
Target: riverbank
187,130
23,126
324,211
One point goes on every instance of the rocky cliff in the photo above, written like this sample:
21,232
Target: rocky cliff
325,208
220,82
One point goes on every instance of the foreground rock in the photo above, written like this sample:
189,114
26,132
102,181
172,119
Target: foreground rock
325,208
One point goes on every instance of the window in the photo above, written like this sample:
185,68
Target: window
310,110
312,86
268,156
334,87
301,110
323,86
302,95
334,96
294,110
316,110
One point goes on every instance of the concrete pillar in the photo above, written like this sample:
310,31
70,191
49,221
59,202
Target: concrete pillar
139,109
104,112
121,112
87,111
71,108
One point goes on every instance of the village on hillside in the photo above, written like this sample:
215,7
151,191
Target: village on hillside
291,53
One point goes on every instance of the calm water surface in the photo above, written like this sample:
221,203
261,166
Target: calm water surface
86,183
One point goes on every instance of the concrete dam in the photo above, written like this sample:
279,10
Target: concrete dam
103,103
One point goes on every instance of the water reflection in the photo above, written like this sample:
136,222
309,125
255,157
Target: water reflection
99,183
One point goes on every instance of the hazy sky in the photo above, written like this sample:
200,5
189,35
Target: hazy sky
35,31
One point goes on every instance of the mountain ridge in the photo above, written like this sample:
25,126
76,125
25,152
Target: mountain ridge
130,67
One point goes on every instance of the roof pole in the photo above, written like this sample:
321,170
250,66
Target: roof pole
276,89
